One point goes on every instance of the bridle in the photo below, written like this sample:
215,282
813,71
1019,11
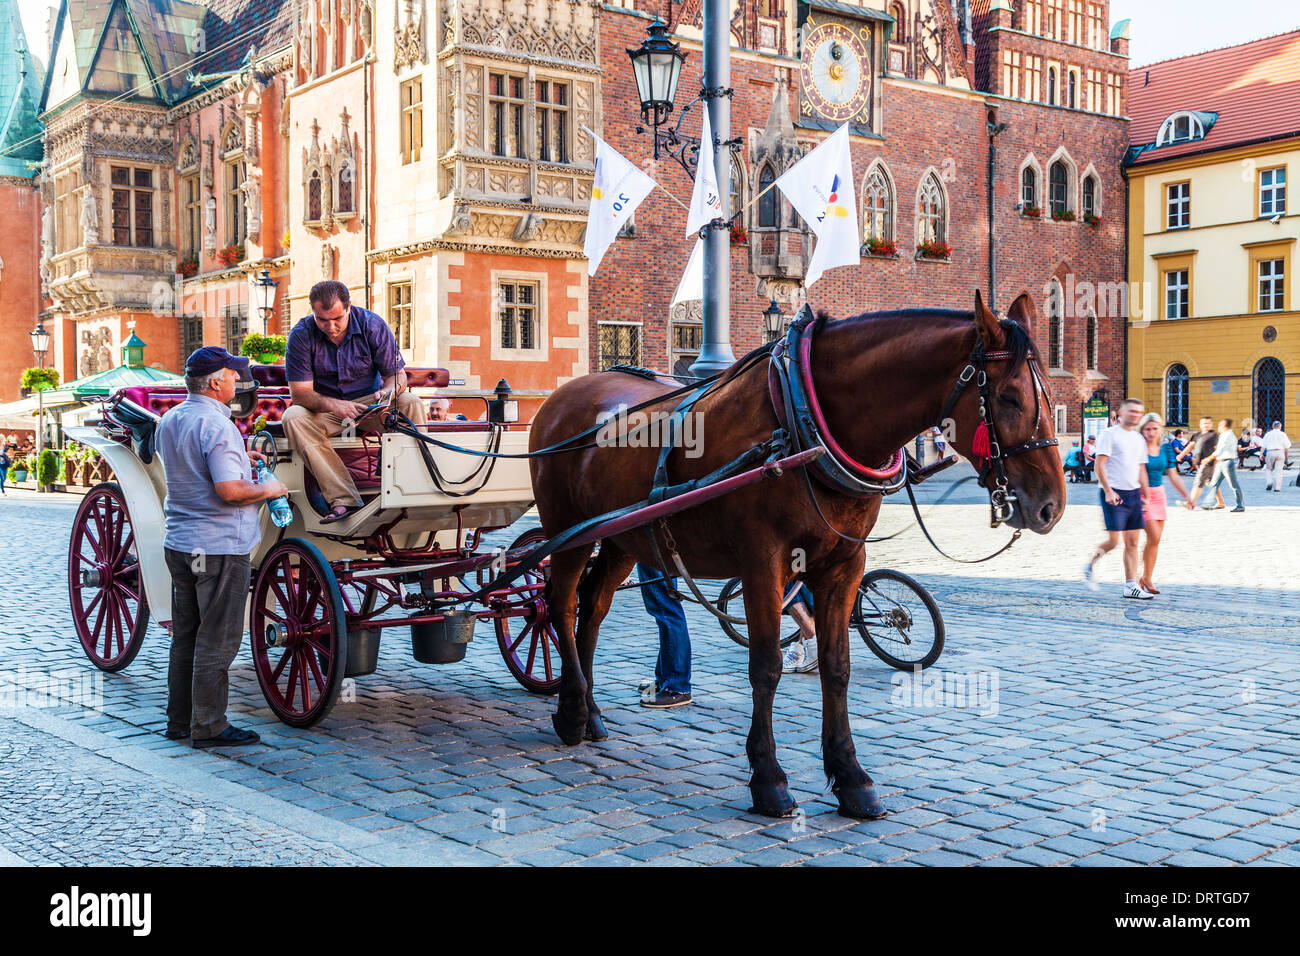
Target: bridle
986,447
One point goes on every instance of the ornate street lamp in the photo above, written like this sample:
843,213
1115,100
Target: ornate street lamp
40,345
657,66
773,322
264,295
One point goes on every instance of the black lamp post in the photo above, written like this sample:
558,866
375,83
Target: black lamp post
40,345
656,67
773,321
264,294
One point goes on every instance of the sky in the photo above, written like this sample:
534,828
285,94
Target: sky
1161,28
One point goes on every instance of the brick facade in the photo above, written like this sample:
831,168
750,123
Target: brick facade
925,127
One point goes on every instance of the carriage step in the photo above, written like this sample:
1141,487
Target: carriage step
391,571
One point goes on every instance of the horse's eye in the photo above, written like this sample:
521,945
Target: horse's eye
1010,400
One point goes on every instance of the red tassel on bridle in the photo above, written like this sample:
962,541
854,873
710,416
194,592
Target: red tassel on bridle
979,446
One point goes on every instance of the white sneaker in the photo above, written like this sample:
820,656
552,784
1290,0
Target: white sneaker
1137,593
793,659
1088,577
647,689
809,656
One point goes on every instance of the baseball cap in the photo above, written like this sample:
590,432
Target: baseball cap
213,358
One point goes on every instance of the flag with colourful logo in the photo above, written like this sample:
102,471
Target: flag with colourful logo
617,189
706,200
820,187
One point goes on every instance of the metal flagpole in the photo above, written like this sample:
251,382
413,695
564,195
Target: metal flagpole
715,350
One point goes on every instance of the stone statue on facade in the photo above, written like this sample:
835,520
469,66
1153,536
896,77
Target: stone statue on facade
89,218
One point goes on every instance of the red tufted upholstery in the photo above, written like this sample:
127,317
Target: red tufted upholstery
268,375
158,399
427,377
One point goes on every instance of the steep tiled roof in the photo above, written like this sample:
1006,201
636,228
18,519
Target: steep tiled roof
20,91
232,26
1253,87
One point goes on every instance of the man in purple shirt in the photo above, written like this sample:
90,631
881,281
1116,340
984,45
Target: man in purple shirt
341,359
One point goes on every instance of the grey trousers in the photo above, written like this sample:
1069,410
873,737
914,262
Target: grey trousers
208,597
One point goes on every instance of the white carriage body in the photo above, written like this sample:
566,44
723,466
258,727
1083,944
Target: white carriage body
408,507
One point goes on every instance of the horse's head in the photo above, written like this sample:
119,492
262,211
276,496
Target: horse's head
1020,411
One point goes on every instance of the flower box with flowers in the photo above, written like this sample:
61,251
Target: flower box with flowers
1032,212
933,249
880,248
1066,215
739,234
1092,220
188,267
231,255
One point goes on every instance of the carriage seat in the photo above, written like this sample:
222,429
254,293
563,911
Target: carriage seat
275,376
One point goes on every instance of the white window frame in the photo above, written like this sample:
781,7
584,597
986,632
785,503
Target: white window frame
1276,193
1168,134
1178,206
1183,289
1271,286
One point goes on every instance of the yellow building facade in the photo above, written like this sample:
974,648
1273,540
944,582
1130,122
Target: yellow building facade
1214,326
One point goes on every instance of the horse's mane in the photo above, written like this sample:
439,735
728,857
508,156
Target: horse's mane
1018,341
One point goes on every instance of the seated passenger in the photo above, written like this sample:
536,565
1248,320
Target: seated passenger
440,411
340,360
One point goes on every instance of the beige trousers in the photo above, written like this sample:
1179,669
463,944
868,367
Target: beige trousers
309,435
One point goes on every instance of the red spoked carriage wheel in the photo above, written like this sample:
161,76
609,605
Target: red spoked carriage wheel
298,632
109,609
525,632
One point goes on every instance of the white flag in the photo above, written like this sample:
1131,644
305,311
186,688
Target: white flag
618,188
820,187
706,200
691,286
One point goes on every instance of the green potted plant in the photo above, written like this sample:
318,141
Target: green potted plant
18,470
266,349
47,469
39,379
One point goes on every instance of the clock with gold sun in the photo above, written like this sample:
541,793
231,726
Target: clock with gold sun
836,73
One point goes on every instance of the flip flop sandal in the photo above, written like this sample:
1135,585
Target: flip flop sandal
338,515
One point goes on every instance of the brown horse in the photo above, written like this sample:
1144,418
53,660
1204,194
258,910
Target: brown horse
882,378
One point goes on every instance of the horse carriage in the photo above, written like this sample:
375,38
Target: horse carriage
799,448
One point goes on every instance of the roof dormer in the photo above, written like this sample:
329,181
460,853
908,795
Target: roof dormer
1185,126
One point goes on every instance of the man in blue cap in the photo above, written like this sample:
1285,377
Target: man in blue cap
212,526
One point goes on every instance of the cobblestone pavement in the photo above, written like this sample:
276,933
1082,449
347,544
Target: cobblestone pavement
1099,731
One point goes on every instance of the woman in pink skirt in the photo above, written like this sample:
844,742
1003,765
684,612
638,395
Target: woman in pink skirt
1161,462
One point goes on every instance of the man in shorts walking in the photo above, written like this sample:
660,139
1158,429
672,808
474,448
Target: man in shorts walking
1122,473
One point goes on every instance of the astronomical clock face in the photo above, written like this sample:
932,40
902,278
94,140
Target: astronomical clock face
836,72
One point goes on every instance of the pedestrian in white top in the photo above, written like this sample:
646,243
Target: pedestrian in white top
1276,446
1121,470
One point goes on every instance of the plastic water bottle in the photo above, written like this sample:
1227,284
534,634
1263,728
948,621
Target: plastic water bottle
281,515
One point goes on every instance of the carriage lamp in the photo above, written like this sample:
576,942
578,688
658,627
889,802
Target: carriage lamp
656,66
773,321
264,294
503,409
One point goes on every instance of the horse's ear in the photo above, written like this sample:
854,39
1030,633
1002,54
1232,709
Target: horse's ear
1022,311
986,323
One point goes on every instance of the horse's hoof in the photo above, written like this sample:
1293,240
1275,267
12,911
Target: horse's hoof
595,728
772,800
570,734
860,803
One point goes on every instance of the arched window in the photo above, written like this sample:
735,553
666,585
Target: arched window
877,205
767,200
1058,184
314,197
1051,85
1055,325
1270,393
900,22
1029,187
1176,387
1092,344
931,211
1180,127
1090,195
737,186
345,191
1072,84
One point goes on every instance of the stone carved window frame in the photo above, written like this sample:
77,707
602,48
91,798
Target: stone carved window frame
1030,162
1091,173
1062,155
879,168
931,177
543,350
232,200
